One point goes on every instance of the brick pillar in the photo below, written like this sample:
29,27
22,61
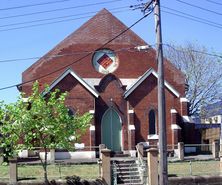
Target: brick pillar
92,130
215,149
184,106
106,167
13,172
181,151
152,162
131,130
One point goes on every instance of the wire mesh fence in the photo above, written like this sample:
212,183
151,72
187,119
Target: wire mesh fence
58,171
190,168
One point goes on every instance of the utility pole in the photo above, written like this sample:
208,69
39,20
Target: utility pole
163,172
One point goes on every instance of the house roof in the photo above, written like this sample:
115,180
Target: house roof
78,78
143,77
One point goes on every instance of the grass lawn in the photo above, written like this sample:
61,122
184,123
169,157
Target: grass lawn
54,171
91,171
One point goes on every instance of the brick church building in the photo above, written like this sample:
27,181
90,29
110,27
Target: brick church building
115,82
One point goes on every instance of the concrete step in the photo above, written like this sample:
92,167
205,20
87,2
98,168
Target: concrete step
127,171
128,181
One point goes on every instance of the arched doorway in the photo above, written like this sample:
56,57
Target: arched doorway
111,130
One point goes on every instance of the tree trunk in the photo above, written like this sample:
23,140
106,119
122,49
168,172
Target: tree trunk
45,167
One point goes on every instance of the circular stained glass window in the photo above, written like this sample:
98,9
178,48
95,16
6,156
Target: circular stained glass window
105,61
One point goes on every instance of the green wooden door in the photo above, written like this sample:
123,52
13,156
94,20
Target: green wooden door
111,130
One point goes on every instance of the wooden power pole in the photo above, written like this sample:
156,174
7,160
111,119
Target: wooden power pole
163,172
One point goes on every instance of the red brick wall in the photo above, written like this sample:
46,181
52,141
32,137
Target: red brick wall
143,99
79,99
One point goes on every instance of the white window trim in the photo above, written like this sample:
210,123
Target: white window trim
153,136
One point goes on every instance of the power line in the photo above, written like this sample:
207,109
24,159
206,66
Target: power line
86,52
61,55
60,17
214,2
199,7
195,51
59,9
53,22
192,17
81,58
31,5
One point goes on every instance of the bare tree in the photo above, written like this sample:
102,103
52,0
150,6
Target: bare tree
203,72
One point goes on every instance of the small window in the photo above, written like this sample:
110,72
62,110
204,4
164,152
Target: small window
152,122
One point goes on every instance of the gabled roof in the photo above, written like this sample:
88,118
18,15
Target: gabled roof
78,78
143,77
99,29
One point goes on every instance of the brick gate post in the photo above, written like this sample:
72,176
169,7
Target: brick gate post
13,173
152,162
106,167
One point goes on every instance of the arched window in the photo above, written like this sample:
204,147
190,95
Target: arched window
152,122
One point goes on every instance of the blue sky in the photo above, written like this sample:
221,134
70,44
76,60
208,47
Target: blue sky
35,41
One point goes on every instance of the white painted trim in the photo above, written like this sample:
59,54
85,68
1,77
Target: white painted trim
92,111
153,136
184,100
80,80
92,128
187,119
130,111
173,111
175,127
125,81
131,127
143,77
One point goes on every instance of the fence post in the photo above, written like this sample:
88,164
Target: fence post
1,156
215,149
13,172
52,155
140,150
106,167
152,162
181,151
101,146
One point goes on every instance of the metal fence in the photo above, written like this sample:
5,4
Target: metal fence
56,171
203,149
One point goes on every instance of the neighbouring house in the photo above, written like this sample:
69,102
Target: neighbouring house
211,121
116,83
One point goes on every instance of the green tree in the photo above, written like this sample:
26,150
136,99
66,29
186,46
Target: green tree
9,130
44,121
